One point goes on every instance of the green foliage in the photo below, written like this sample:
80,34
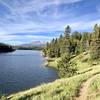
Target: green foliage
95,32
3,98
59,46
95,49
65,67
67,32
82,47
95,44
73,44
6,48
76,35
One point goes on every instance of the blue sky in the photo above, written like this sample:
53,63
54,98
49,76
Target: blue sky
24,21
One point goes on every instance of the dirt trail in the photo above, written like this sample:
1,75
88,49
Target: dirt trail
84,90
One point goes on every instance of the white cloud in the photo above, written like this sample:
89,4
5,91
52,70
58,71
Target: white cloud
19,21
40,16
82,25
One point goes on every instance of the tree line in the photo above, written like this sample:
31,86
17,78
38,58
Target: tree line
73,43
6,48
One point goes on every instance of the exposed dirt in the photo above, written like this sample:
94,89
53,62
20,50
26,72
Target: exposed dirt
84,90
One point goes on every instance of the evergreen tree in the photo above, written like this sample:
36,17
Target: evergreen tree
94,35
75,42
66,40
77,36
84,43
67,32
65,67
95,44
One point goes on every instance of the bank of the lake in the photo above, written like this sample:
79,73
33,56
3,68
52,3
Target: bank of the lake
51,62
23,69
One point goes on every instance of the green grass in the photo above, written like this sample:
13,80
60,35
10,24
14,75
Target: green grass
94,89
52,62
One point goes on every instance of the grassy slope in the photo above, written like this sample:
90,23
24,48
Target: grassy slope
81,61
62,89
52,62
94,89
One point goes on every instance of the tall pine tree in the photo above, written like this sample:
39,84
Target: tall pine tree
95,44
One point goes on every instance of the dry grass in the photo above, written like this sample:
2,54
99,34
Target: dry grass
94,89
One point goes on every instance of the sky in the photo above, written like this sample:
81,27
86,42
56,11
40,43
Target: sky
23,21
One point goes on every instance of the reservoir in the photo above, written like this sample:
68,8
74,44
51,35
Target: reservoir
23,69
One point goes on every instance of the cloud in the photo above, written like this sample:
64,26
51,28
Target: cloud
33,17
17,39
98,8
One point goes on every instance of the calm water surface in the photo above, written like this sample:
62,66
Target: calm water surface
21,70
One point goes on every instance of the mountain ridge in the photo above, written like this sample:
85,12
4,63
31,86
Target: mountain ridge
34,44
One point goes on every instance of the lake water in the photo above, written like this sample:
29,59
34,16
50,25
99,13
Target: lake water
21,70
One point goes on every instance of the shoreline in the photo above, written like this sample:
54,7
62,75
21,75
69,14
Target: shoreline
50,62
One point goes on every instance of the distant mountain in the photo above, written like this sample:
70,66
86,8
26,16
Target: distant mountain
34,44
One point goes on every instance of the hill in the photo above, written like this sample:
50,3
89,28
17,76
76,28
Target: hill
36,45
5,48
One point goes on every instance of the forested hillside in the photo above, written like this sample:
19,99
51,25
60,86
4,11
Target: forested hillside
71,44
74,43
5,48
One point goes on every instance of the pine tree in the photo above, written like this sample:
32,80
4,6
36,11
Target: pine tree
67,32
66,40
65,67
75,42
95,44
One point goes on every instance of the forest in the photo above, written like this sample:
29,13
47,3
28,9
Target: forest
71,44
6,48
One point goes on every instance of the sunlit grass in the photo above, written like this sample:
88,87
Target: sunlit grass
94,89
52,63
